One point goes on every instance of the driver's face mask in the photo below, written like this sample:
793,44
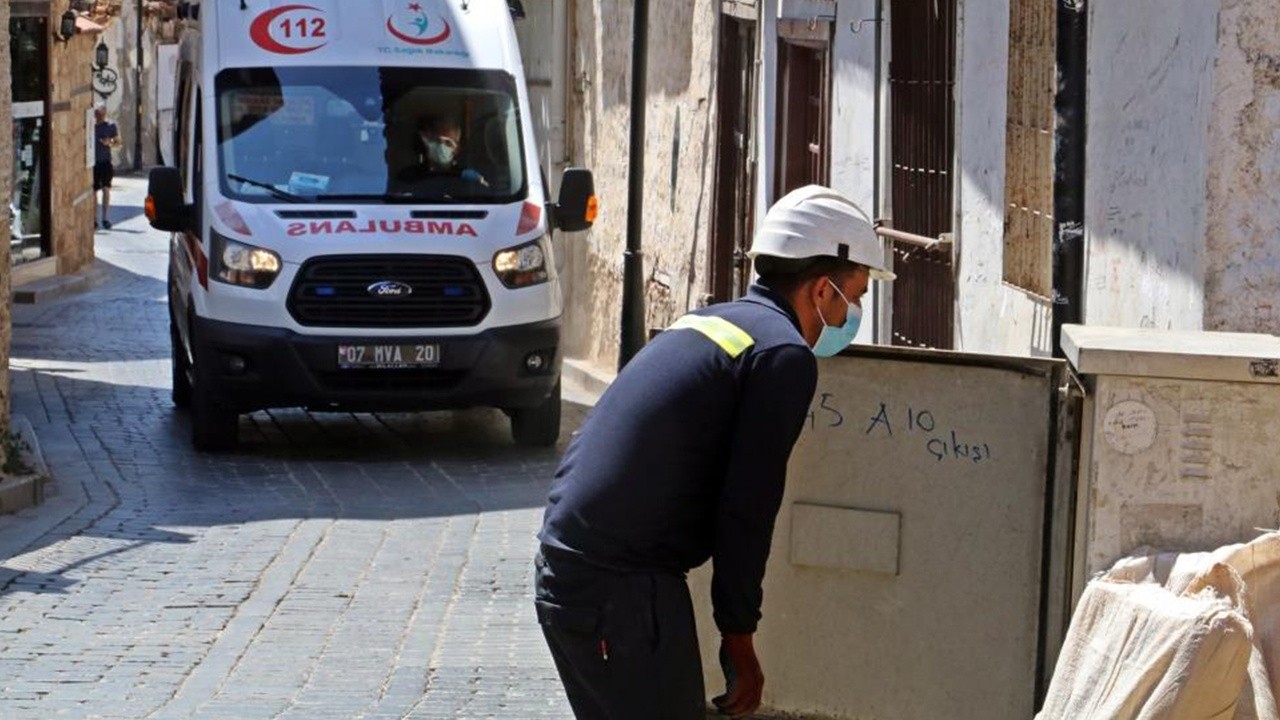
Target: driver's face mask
441,151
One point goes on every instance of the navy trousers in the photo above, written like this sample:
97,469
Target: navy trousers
625,644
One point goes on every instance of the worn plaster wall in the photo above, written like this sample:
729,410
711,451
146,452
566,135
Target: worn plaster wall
122,105
991,316
542,51
1150,97
71,191
6,192
1242,282
678,166
853,130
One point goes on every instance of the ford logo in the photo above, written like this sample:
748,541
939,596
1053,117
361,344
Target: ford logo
390,288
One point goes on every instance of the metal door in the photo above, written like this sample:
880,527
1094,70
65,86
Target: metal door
920,565
922,116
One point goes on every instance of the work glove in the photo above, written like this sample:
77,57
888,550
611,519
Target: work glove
744,682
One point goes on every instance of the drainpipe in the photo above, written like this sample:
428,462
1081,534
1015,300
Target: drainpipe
137,84
881,298
1069,168
559,83
633,333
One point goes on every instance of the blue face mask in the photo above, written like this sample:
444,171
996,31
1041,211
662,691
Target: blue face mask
836,338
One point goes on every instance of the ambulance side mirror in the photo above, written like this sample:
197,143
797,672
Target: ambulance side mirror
164,206
578,207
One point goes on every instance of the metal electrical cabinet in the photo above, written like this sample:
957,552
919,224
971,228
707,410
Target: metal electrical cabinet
944,510
1180,448
919,564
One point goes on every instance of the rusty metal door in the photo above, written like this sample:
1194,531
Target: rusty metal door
922,115
732,218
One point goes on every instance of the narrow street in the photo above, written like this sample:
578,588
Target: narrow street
336,566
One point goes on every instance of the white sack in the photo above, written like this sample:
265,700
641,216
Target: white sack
1162,637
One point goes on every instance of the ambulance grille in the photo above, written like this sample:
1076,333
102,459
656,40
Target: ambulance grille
334,291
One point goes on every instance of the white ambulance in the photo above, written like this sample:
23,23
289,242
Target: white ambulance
359,220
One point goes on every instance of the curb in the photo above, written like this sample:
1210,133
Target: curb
591,379
51,288
25,491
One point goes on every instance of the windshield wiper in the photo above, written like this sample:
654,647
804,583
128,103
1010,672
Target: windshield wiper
272,189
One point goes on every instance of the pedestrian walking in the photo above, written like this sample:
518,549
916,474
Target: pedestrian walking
683,460
106,138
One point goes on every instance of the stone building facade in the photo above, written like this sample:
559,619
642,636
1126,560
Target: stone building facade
56,153
70,107
679,165
46,151
6,191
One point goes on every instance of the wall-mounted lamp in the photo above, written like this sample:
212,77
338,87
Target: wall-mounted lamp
104,78
67,25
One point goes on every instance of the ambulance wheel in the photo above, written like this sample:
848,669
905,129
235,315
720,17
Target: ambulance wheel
214,427
180,369
538,426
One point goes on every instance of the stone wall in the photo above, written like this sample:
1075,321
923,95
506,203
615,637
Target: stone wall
679,165
71,192
6,191
1242,283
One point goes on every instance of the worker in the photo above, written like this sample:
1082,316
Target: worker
683,460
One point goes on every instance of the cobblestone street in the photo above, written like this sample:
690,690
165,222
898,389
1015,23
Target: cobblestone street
335,566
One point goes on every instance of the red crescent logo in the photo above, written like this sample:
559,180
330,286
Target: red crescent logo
434,40
260,31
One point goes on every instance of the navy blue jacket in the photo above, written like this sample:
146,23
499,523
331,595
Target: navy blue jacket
685,456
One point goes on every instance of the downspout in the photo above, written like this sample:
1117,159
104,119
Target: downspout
633,332
1070,105
137,75
559,98
877,314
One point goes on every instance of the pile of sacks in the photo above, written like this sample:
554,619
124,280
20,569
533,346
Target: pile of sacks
1192,636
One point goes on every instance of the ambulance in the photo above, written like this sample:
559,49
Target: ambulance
359,221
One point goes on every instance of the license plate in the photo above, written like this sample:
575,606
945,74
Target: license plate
388,357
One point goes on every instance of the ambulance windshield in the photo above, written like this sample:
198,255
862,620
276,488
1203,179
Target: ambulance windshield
369,135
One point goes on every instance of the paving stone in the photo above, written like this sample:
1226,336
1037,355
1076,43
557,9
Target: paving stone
336,565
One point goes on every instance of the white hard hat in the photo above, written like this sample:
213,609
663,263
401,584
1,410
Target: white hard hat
815,221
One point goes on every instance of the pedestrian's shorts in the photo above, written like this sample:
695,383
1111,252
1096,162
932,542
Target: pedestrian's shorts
103,174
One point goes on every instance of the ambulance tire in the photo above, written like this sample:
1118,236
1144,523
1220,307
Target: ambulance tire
538,426
214,427
180,368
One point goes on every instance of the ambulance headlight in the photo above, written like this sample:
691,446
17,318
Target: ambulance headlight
236,263
521,266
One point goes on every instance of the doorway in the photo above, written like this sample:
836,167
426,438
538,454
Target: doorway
804,106
29,203
733,215
922,116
